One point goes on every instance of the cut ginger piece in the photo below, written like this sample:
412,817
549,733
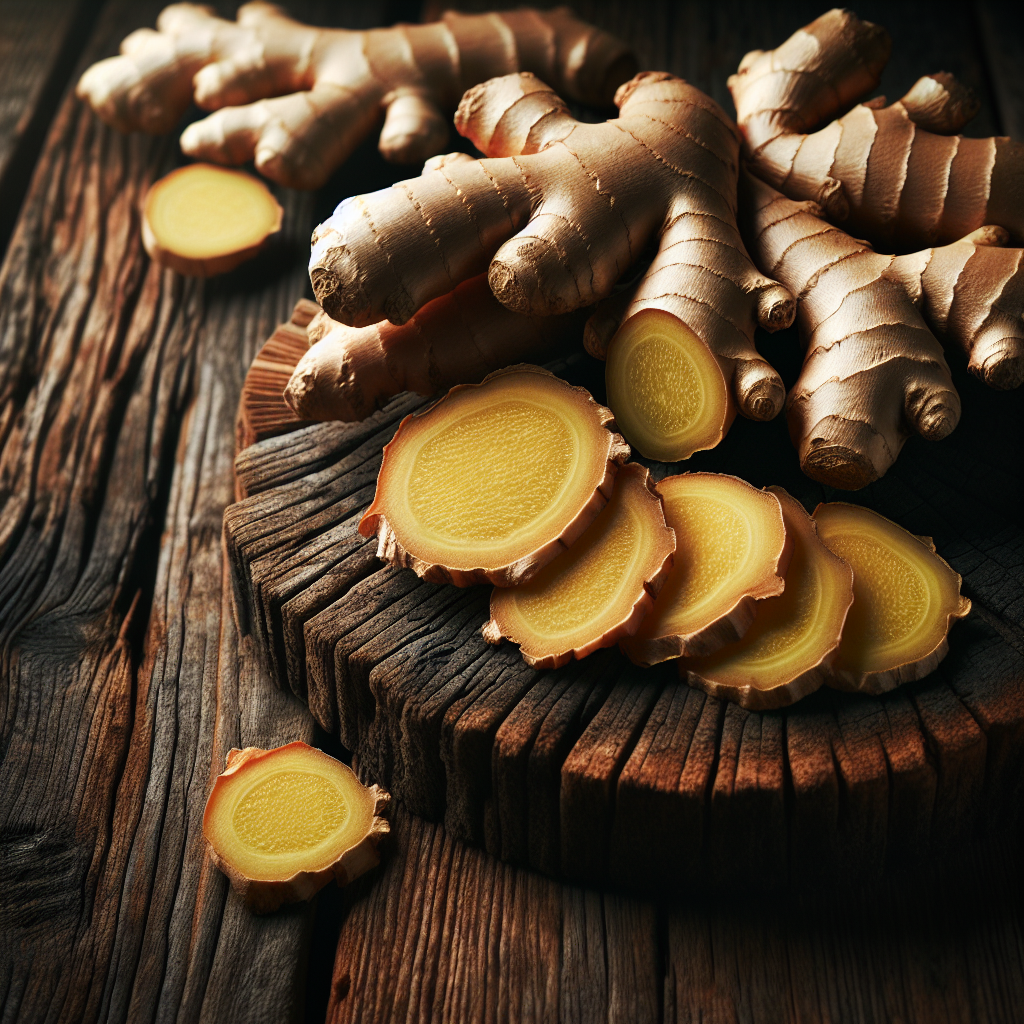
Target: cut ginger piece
786,652
905,599
731,549
282,823
665,387
598,590
202,220
494,480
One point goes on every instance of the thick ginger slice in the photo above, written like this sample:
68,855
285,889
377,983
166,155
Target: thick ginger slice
494,480
794,638
459,338
732,550
558,212
202,220
893,175
282,823
905,599
599,590
872,371
298,100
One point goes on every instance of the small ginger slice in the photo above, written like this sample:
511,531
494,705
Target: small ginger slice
665,387
905,599
202,220
494,480
794,637
282,823
597,591
731,549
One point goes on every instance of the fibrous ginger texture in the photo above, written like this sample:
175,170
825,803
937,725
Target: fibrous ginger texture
732,550
282,823
873,372
894,174
496,479
298,100
905,599
202,220
458,338
786,652
557,213
600,589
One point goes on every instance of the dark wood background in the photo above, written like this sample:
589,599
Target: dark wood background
123,681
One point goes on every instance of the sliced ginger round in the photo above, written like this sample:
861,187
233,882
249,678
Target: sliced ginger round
202,220
794,637
282,823
495,480
905,599
599,590
666,388
731,544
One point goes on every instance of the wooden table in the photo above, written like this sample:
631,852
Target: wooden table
125,682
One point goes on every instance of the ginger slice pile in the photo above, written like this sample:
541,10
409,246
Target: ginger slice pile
282,823
905,599
493,481
665,387
202,220
459,338
787,651
731,551
598,590
298,100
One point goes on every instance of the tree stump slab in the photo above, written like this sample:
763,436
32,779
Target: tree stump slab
605,773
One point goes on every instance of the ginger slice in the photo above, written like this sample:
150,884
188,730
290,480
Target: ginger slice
905,599
202,220
598,590
494,480
794,637
282,823
731,549
665,387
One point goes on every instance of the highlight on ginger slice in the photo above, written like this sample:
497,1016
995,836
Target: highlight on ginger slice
905,599
282,823
666,388
494,480
202,220
731,551
598,590
794,637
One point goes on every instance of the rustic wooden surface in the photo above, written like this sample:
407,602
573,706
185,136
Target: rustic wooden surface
604,773
123,681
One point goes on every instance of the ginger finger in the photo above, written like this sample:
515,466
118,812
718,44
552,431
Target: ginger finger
324,89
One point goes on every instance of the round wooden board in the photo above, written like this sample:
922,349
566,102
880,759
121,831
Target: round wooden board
602,772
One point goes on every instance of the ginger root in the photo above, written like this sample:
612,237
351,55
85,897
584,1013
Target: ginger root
558,212
494,480
905,599
282,823
732,550
893,175
298,99
599,590
202,220
459,338
794,638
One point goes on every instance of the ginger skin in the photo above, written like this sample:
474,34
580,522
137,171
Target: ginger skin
894,175
558,212
298,99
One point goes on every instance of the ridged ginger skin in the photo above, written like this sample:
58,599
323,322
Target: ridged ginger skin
298,99
557,212
891,174
872,372
458,338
